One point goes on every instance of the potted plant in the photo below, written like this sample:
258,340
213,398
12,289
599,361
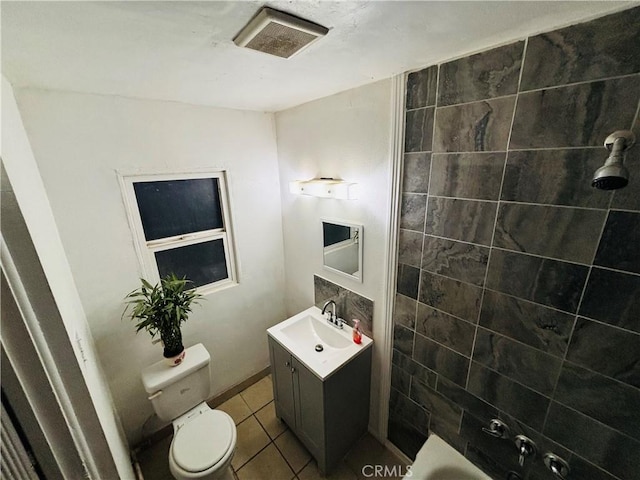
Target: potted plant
161,309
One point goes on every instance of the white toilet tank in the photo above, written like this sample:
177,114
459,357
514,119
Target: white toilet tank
175,390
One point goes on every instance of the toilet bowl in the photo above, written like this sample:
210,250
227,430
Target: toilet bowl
204,440
203,445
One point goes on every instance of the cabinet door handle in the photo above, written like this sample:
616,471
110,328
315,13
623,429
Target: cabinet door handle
287,364
293,370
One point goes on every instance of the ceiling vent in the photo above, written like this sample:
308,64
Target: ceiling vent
278,33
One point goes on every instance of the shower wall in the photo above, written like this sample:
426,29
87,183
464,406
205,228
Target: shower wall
518,292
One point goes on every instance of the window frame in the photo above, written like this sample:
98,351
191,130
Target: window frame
146,249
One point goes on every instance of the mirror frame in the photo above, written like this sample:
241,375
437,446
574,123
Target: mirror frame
342,223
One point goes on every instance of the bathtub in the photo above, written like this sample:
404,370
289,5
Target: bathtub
437,460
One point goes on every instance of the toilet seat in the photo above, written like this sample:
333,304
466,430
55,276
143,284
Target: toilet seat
202,442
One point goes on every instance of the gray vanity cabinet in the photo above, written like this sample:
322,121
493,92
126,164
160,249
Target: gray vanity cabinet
328,416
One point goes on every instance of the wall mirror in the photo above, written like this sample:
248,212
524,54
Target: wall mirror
342,248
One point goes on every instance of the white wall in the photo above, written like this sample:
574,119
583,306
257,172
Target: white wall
348,136
79,141
35,209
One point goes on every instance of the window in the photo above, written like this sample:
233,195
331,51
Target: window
182,226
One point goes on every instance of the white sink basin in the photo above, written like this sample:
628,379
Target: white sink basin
302,333
310,331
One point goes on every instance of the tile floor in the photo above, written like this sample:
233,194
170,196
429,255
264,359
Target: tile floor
267,450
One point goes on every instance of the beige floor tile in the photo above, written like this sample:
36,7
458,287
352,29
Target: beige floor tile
311,472
236,408
251,439
154,461
267,418
296,455
267,465
258,394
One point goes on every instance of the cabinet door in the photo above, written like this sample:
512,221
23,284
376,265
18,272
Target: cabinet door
281,369
310,412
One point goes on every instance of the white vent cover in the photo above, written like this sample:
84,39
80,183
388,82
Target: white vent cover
278,33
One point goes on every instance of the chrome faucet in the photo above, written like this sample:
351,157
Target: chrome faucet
332,317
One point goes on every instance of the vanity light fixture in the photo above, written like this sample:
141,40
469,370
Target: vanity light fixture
325,188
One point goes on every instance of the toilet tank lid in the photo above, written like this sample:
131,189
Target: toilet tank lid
157,376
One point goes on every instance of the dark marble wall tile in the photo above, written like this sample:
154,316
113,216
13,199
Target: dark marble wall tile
451,296
411,412
574,116
495,467
349,305
400,380
559,177
594,441
559,232
412,211
421,88
605,47
500,454
620,244
549,282
415,172
443,361
493,73
533,368
523,403
543,328
403,340
358,307
466,220
408,280
418,372
402,429
474,127
404,311
579,84
469,402
449,331
467,175
446,413
419,130
607,350
580,468
410,247
325,290
613,298
405,437
613,403
462,261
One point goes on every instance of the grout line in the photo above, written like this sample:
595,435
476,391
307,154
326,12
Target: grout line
608,377
519,91
521,343
527,149
443,346
575,321
518,202
582,82
495,220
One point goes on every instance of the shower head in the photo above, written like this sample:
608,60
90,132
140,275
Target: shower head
613,174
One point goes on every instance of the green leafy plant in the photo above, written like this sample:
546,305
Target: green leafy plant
161,309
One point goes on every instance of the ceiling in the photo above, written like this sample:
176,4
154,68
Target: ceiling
183,50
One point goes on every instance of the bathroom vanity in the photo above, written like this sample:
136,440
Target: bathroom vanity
321,384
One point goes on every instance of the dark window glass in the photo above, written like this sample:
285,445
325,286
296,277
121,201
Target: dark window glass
335,233
176,207
202,263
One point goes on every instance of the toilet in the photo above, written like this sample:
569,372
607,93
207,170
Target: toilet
204,440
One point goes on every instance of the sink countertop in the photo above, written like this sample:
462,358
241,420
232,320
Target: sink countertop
302,332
